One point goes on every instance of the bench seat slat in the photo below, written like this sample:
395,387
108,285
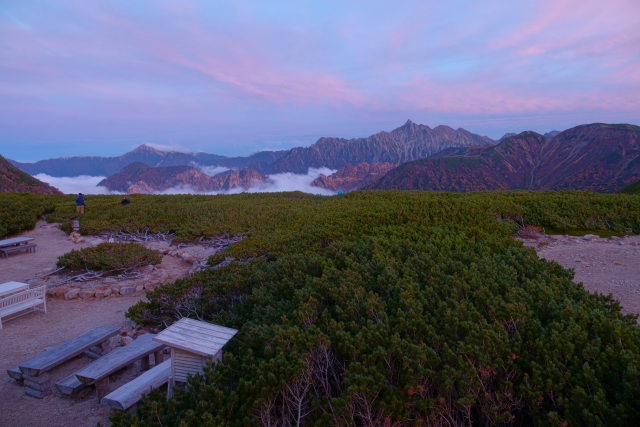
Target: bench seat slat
19,307
118,359
128,394
67,350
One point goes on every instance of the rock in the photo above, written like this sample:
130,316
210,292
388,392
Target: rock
87,293
139,288
125,340
73,293
103,293
126,290
58,291
148,268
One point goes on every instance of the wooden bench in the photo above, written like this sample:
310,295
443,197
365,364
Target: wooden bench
61,353
127,395
98,371
30,247
22,302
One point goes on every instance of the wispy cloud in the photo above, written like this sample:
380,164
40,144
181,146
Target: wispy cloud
220,74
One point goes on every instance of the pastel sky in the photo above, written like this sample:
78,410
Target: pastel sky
88,77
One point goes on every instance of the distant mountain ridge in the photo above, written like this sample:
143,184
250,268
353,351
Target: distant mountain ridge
141,178
13,179
597,157
106,166
408,142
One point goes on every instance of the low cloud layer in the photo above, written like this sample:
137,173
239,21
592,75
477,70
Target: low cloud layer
78,184
277,182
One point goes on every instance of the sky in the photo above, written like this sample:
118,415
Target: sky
80,77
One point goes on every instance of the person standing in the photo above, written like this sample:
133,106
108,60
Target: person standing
80,203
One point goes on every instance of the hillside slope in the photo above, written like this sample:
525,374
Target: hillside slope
13,179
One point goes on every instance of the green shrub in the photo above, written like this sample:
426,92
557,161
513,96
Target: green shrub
112,257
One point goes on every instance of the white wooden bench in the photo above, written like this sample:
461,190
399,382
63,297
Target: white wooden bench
22,302
128,394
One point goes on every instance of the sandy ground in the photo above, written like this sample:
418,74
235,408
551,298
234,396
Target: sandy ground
52,242
28,335
603,265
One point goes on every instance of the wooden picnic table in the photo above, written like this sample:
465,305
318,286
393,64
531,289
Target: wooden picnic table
98,371
12,287
14,241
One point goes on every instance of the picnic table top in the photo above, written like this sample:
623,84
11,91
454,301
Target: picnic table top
67,350
11,287
118,358
14,241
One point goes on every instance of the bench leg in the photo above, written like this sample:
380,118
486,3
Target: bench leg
102,388
106,346
144,363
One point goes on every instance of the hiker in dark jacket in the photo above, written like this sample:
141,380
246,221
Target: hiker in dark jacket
80,203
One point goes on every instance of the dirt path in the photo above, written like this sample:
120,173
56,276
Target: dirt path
52,242
30,334
604,265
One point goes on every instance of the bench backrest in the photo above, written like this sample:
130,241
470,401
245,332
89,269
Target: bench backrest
22,296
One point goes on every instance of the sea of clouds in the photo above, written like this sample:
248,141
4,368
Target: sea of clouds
277,182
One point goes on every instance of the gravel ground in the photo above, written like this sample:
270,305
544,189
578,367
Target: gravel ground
28,335
603,265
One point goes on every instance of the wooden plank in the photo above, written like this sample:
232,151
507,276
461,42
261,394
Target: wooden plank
70,385
15,373
118,359
67,350
196,335
14,241
126,396
212,344
199,323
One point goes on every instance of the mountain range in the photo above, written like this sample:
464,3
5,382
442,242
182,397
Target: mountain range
147,154
596,157
408,142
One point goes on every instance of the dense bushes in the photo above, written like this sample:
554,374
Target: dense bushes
112,257
410,325
20,211
391,308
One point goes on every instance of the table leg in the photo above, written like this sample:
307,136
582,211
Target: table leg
102,388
